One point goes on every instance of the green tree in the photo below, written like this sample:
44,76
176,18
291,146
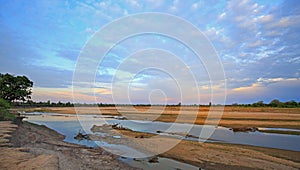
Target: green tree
258,104
291,103
4,104
48,103
275,103
14,89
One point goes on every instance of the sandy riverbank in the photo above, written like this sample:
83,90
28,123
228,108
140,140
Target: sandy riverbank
205,155
32,146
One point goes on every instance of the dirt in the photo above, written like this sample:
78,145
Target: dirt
32,146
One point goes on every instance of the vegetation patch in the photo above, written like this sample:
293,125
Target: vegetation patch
4,113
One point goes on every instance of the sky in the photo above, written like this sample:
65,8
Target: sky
257,43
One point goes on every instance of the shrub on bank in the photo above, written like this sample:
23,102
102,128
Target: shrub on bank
4,113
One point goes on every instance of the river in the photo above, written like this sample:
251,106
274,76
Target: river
69,125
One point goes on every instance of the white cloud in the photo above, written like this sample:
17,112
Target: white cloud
286,22
195,6
256,43
273,33
133,4
274,80
89,30
265,18
102,4
174,6
155,3
222,16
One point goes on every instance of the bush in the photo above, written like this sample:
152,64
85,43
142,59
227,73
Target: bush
4,104
4,113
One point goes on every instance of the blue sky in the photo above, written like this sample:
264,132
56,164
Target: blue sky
258,44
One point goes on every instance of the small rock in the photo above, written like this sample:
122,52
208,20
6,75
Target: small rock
81,136
153,160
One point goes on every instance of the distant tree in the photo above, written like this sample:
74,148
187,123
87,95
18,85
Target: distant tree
258,104
275,103
30,102
68,104
179,104
291,103
15,88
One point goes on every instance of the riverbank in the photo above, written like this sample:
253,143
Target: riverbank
230,156
31,146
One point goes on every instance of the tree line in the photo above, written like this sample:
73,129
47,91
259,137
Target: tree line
48,103
273,103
